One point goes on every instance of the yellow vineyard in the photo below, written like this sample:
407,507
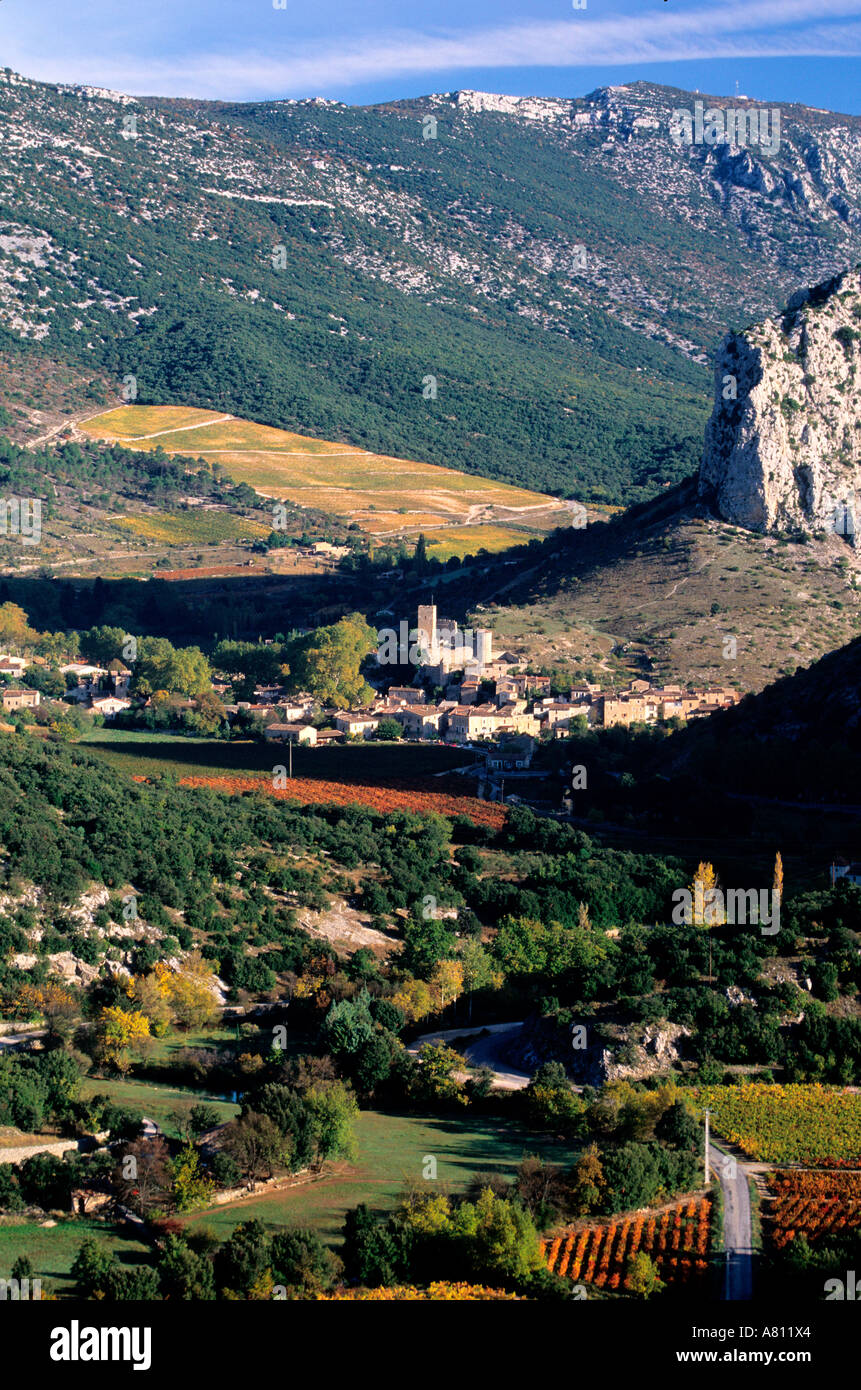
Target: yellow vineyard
387,497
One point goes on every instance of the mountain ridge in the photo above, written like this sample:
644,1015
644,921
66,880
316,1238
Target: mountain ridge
458,259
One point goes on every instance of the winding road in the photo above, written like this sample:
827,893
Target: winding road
491,1042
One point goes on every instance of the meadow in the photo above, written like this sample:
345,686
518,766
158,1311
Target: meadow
52,1249
154,1101
392,1152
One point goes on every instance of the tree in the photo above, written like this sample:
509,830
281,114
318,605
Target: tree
292,1117
255,1143
642,1276
777,883
302,1264
388,730
183,1273
425,943
333,1108
678,1128
435,1079
119,1033
586,1181
190,990
348,1025
191,1186
143,1176
102,645
540,1188
244,1260
91,1269
447,982
501,1238
15,630
705,891
372,1252
161,666
327,661
551,1101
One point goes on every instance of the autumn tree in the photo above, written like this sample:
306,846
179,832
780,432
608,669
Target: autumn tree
191,1187
586,1181
120,1034
705,892
777,883
190,990
15,630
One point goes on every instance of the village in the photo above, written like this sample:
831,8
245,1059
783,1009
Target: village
462,692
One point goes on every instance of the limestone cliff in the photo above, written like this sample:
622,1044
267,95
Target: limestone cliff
783,445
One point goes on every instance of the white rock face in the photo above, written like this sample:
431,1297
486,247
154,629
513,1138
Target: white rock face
530,108
783,445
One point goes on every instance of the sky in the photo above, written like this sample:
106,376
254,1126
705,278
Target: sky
365,51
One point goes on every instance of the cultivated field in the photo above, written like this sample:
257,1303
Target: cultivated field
677,1239
787,1124
385,496
812,1205
201,526
149,754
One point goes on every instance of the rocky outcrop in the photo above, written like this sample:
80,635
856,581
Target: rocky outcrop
783,445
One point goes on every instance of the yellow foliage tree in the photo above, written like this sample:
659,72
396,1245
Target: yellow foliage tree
446,982
415,999
777,885
707,910
119,1031
190,990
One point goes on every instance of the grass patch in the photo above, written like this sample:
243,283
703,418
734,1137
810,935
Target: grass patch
392,1151
53,1249
155,1101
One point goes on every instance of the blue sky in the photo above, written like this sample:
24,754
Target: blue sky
362,51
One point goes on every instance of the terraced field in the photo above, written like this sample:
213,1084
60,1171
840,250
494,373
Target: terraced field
201,526
385,496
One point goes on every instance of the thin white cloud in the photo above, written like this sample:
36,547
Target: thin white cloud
762,29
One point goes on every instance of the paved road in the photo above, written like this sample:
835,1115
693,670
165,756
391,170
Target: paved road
737,1225
22,1040
485,1052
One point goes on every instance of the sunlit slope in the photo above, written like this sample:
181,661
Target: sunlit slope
385,496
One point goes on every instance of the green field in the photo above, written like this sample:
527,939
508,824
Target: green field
148,754
392,1151
155,1101
53,1249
